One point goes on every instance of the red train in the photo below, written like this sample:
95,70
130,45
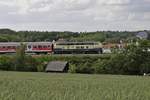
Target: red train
53,47
31,47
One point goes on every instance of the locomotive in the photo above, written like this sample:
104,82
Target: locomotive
78,48
53,47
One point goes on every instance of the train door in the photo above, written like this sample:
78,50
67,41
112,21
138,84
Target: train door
29,48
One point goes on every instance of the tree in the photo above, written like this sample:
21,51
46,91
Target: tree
137,58
20,58
24,62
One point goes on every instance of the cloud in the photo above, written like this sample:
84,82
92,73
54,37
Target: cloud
76,15
113,2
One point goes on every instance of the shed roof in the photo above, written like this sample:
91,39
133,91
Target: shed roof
56,66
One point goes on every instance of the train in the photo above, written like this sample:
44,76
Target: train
77,48
55,47
31,47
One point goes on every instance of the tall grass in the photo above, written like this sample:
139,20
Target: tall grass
45,86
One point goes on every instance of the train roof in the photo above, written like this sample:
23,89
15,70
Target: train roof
18,43
9,43
38,42
66,41
77,43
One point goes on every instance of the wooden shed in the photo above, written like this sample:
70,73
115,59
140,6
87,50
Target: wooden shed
57,66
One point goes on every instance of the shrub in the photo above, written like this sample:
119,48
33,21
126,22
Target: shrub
6,63
72,68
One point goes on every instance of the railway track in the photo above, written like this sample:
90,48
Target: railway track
39,55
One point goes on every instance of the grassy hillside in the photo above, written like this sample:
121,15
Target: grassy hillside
45,86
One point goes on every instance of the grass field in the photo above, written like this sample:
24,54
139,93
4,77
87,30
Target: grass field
45,86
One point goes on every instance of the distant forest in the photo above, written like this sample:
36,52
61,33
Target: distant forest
7,35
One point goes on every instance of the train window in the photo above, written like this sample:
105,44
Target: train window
39,46
87,47
44,46
49,46
72,47
3,47
82,47
34,46
77,47
13,47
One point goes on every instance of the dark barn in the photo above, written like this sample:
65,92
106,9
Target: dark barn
57,66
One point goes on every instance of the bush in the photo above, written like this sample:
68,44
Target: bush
72,68
6,63
135,60
40,68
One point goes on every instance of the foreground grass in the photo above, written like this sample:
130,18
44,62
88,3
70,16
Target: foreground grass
44,86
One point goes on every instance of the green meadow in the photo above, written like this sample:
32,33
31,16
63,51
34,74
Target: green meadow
54,86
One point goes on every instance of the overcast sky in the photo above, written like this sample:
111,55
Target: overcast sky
75,15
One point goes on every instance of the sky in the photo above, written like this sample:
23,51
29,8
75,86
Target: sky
75,15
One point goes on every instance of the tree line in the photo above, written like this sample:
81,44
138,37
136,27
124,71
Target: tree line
7,35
